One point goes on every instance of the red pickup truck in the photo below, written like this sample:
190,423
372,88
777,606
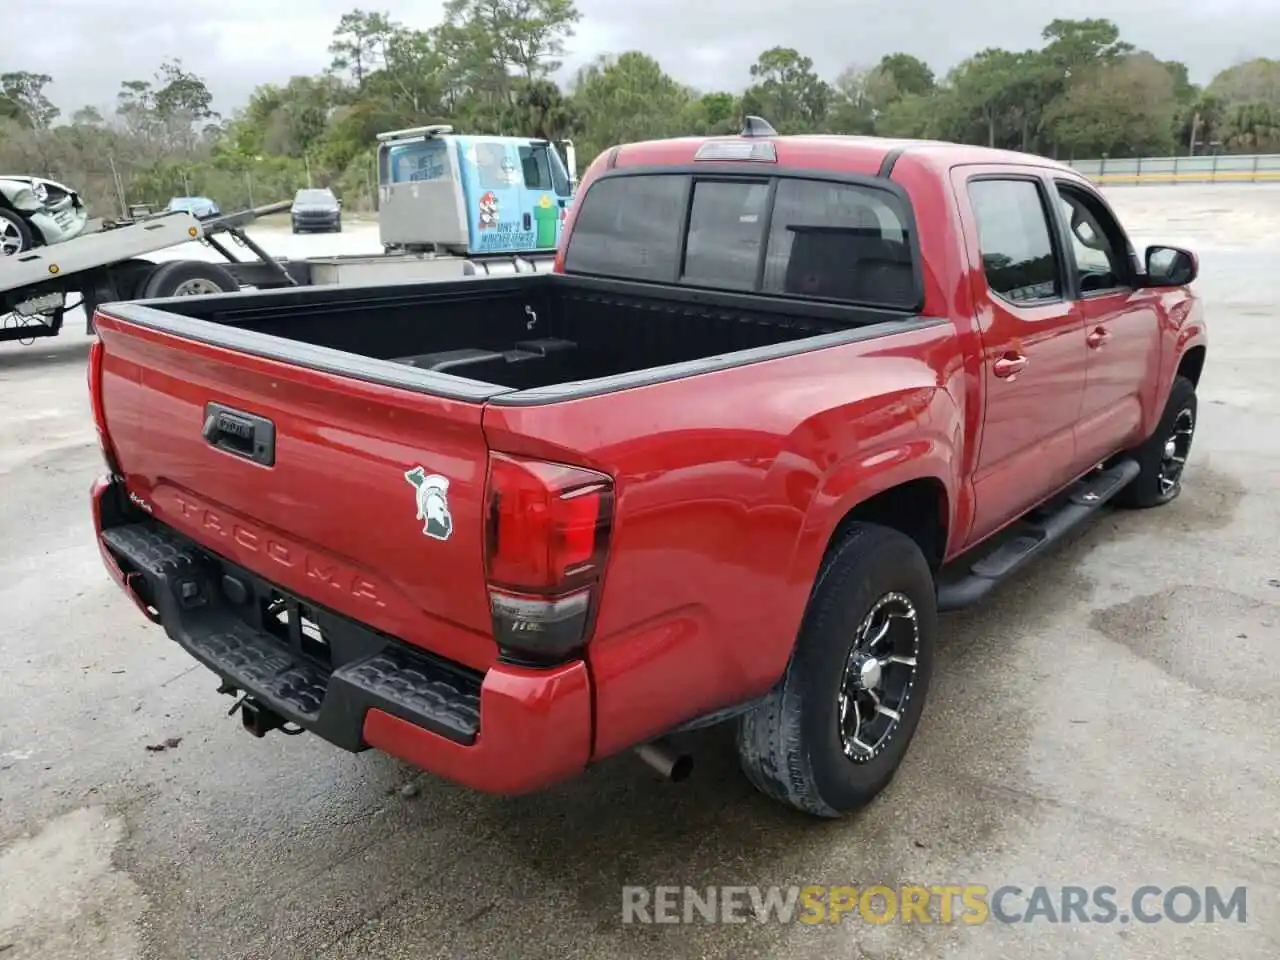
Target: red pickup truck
781,401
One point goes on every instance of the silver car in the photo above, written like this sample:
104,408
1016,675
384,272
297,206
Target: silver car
35,212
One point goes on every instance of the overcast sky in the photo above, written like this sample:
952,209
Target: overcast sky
89,46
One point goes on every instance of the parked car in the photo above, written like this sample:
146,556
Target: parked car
316,209
202,208
506,527
35,211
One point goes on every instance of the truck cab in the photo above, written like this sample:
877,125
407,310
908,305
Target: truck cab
471,195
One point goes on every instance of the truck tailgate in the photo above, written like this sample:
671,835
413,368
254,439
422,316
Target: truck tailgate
213,442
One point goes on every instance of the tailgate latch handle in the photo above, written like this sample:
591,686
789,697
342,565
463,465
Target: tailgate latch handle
240,434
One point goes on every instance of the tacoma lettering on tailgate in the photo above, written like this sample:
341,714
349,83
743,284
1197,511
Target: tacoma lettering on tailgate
253,540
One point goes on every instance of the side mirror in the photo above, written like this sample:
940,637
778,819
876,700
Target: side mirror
1171,267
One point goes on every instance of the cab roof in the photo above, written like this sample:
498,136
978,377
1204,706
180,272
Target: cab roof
834,152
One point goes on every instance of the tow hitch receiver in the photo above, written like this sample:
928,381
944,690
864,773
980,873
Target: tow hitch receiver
257,719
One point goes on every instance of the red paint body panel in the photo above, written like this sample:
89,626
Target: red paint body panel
328,521
728,485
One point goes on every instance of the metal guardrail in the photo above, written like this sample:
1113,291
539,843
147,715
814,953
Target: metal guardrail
1253,168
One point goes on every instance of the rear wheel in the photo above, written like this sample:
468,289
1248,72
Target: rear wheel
831,735
189,278
15,234
129,280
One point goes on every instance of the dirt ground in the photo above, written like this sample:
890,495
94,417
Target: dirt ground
1109,718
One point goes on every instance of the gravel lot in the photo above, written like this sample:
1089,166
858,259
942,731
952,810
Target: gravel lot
1109,718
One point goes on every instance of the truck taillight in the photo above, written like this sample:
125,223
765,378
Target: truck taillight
547,537
95,403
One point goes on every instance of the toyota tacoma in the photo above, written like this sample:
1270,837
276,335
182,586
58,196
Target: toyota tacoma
780,402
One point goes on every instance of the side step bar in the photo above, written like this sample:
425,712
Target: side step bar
1032,536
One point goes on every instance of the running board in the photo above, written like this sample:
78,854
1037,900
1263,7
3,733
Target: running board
1032,536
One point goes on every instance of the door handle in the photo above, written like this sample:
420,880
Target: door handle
1007,367
1098,337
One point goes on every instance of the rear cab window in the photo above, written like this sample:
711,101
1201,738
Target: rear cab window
790,236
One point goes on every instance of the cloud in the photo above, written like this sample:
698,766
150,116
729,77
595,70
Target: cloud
90,46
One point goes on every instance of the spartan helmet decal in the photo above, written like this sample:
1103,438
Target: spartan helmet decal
432,493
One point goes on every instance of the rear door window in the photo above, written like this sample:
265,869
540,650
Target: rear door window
815,238
840,241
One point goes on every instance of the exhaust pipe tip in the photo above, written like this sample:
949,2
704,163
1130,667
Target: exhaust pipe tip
670,763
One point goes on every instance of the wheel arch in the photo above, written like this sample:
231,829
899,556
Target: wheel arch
1191,363
919,508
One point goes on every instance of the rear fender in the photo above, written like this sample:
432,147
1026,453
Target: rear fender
880,464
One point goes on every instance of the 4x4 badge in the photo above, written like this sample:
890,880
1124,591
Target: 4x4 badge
433,502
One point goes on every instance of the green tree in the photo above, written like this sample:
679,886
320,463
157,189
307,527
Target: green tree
1080,43
1252,127
852,109
359,40
1253,81
910,76
711,114
787,92
539,109
411,76
181,95
626,98
1121,107
996,94
23,100
490,44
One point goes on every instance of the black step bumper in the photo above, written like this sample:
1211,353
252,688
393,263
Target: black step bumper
223,616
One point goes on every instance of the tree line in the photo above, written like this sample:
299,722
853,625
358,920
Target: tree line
488,68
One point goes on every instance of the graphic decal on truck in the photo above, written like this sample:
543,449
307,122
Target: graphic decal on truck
546,219
490,211
433,502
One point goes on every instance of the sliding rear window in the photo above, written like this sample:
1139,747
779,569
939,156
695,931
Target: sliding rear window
799,237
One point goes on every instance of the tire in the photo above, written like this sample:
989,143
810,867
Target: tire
131,277
791,746
15,234
189,278
1162,457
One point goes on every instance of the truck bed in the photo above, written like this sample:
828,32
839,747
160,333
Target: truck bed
545,336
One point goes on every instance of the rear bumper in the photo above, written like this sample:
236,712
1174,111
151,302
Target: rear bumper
510,730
